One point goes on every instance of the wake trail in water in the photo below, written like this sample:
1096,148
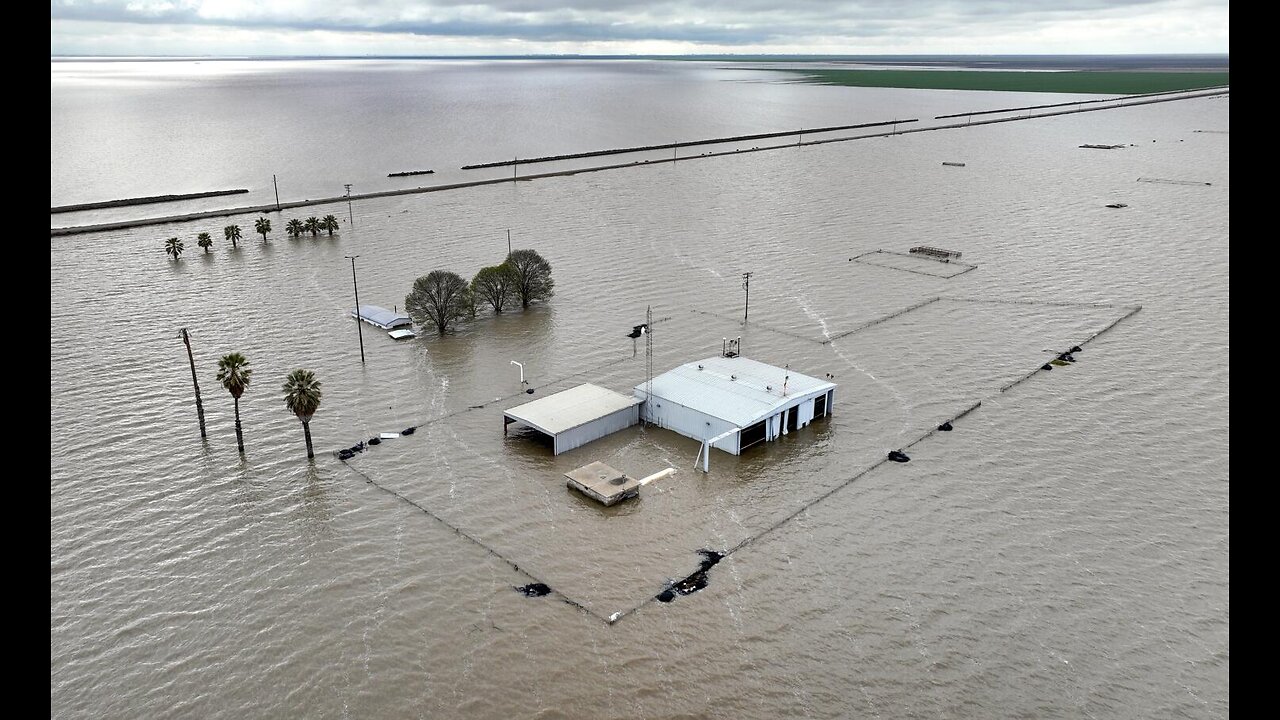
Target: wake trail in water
803,302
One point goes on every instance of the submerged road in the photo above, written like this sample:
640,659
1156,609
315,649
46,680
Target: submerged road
272,207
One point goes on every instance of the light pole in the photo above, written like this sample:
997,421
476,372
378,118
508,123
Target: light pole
746,286
359,329
351,220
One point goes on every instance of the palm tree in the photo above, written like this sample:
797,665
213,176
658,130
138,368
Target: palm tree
262,226
329,223
233,373
173,246
294,228
302,397
313,225
232,233
204,241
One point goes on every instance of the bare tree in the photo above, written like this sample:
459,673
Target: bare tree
532,276
496,286
441,298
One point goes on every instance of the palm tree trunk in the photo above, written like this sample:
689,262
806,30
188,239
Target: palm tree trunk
306,430
239,434
195,383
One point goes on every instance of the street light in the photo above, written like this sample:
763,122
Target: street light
359,329
351,220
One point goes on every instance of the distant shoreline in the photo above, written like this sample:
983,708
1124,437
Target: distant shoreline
1100,82
148,200
1149,62
226,212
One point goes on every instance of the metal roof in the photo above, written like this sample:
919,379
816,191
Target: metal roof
739,390
382,317
570,408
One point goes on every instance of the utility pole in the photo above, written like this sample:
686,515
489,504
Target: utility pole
186,340
351,220
277,187
359,329
515,163
746,303
508,242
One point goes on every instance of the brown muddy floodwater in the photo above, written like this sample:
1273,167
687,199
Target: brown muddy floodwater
1064,552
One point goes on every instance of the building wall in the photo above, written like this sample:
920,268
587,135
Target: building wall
596,429
689,422
700,426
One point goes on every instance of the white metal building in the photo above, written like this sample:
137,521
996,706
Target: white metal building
576,416
745,401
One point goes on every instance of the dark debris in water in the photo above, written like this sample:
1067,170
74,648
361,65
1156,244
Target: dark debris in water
946,426
695,581
533,590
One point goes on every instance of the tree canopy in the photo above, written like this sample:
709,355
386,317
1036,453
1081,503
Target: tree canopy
440,298
532,276
495,285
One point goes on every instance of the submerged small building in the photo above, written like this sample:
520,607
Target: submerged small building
576,416
381,317
742,402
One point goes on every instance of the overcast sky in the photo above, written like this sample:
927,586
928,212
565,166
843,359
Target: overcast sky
518,27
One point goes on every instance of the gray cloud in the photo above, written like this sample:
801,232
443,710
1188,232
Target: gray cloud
720,23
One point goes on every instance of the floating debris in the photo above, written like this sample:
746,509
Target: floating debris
529,391
946,426
1058,363
898,456
1092,146
407,173
375,441
934,253
1046,366
1117,205
409,430
1167,181
1074,349
953,164
345,454
694,582
533,590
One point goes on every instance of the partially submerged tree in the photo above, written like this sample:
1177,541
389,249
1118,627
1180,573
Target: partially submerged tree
234,373
294,228
329,223
232,233
262,226
532,276
495,286
204,241
173,247
312,225
440,298
302,397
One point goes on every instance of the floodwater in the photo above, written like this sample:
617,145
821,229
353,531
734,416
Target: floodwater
1064,552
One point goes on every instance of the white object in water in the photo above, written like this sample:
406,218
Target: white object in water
402,334
657,476
389,436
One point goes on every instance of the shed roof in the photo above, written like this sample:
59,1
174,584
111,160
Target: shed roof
382,317
738,390
570,408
